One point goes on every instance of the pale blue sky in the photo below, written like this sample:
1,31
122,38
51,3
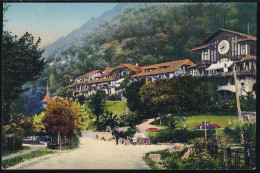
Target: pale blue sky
51,21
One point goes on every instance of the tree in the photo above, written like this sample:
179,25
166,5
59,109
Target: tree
21,64
97,104
133,98
109,53
62,116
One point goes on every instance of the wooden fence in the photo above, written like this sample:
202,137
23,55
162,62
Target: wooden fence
67,142
245,157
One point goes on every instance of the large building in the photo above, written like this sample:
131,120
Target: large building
110,79
222,50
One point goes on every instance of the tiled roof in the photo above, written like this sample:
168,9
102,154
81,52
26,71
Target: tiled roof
192,66
88,74
130,66
200,47
47,98
248,57
71,85
108,70
100,80
174,65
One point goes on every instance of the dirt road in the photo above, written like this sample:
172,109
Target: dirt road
94,154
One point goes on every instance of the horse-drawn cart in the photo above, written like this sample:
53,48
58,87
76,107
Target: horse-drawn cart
137,138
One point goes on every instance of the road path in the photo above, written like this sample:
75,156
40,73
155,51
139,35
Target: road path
94,154
30,143
142,127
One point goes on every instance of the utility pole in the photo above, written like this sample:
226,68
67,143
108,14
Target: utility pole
237,94
205,124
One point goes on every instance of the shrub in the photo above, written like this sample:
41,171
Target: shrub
81,99
180,135
113,97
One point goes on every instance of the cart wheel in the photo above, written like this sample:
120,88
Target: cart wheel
140,141
146,141
127,142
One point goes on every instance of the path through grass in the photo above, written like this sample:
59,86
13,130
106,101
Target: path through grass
18,159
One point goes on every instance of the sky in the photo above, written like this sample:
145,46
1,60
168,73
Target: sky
50,21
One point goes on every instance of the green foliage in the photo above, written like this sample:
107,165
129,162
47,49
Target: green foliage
148,35
182,94
63,92
6,153
247,129
113,97
97,104
180,135
21,64
133,98
233,134
81,99
116,107
107,119
248,102
15,160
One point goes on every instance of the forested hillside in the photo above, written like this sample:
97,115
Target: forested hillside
148,35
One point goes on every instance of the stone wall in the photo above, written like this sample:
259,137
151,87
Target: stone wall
249,116
103,135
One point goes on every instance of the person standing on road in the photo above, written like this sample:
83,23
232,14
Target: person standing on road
115,133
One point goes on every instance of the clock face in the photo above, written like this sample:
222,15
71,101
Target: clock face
223,47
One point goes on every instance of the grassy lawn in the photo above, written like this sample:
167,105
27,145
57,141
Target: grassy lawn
151,133
15,160
116,107
213,119
192,121
6,153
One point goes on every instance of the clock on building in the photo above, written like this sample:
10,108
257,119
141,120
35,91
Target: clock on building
223,47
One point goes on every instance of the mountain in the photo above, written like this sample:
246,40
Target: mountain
142,33
92,25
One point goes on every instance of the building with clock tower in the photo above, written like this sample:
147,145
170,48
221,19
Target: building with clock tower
221,52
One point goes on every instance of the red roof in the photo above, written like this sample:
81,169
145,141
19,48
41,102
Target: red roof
108,70
47,98
174,65
130,66
88,74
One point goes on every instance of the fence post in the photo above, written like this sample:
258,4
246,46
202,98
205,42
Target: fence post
65,142
247,155
229,153
59,139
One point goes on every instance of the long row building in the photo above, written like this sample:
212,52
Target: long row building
221,52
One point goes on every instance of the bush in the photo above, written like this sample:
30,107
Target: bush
113,97
180,135
15,160
81,99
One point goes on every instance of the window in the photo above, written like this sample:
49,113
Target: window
205,55
212,55
234,46
242,49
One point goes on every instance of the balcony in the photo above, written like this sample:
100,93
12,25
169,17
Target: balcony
227,87
203,62
246,72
